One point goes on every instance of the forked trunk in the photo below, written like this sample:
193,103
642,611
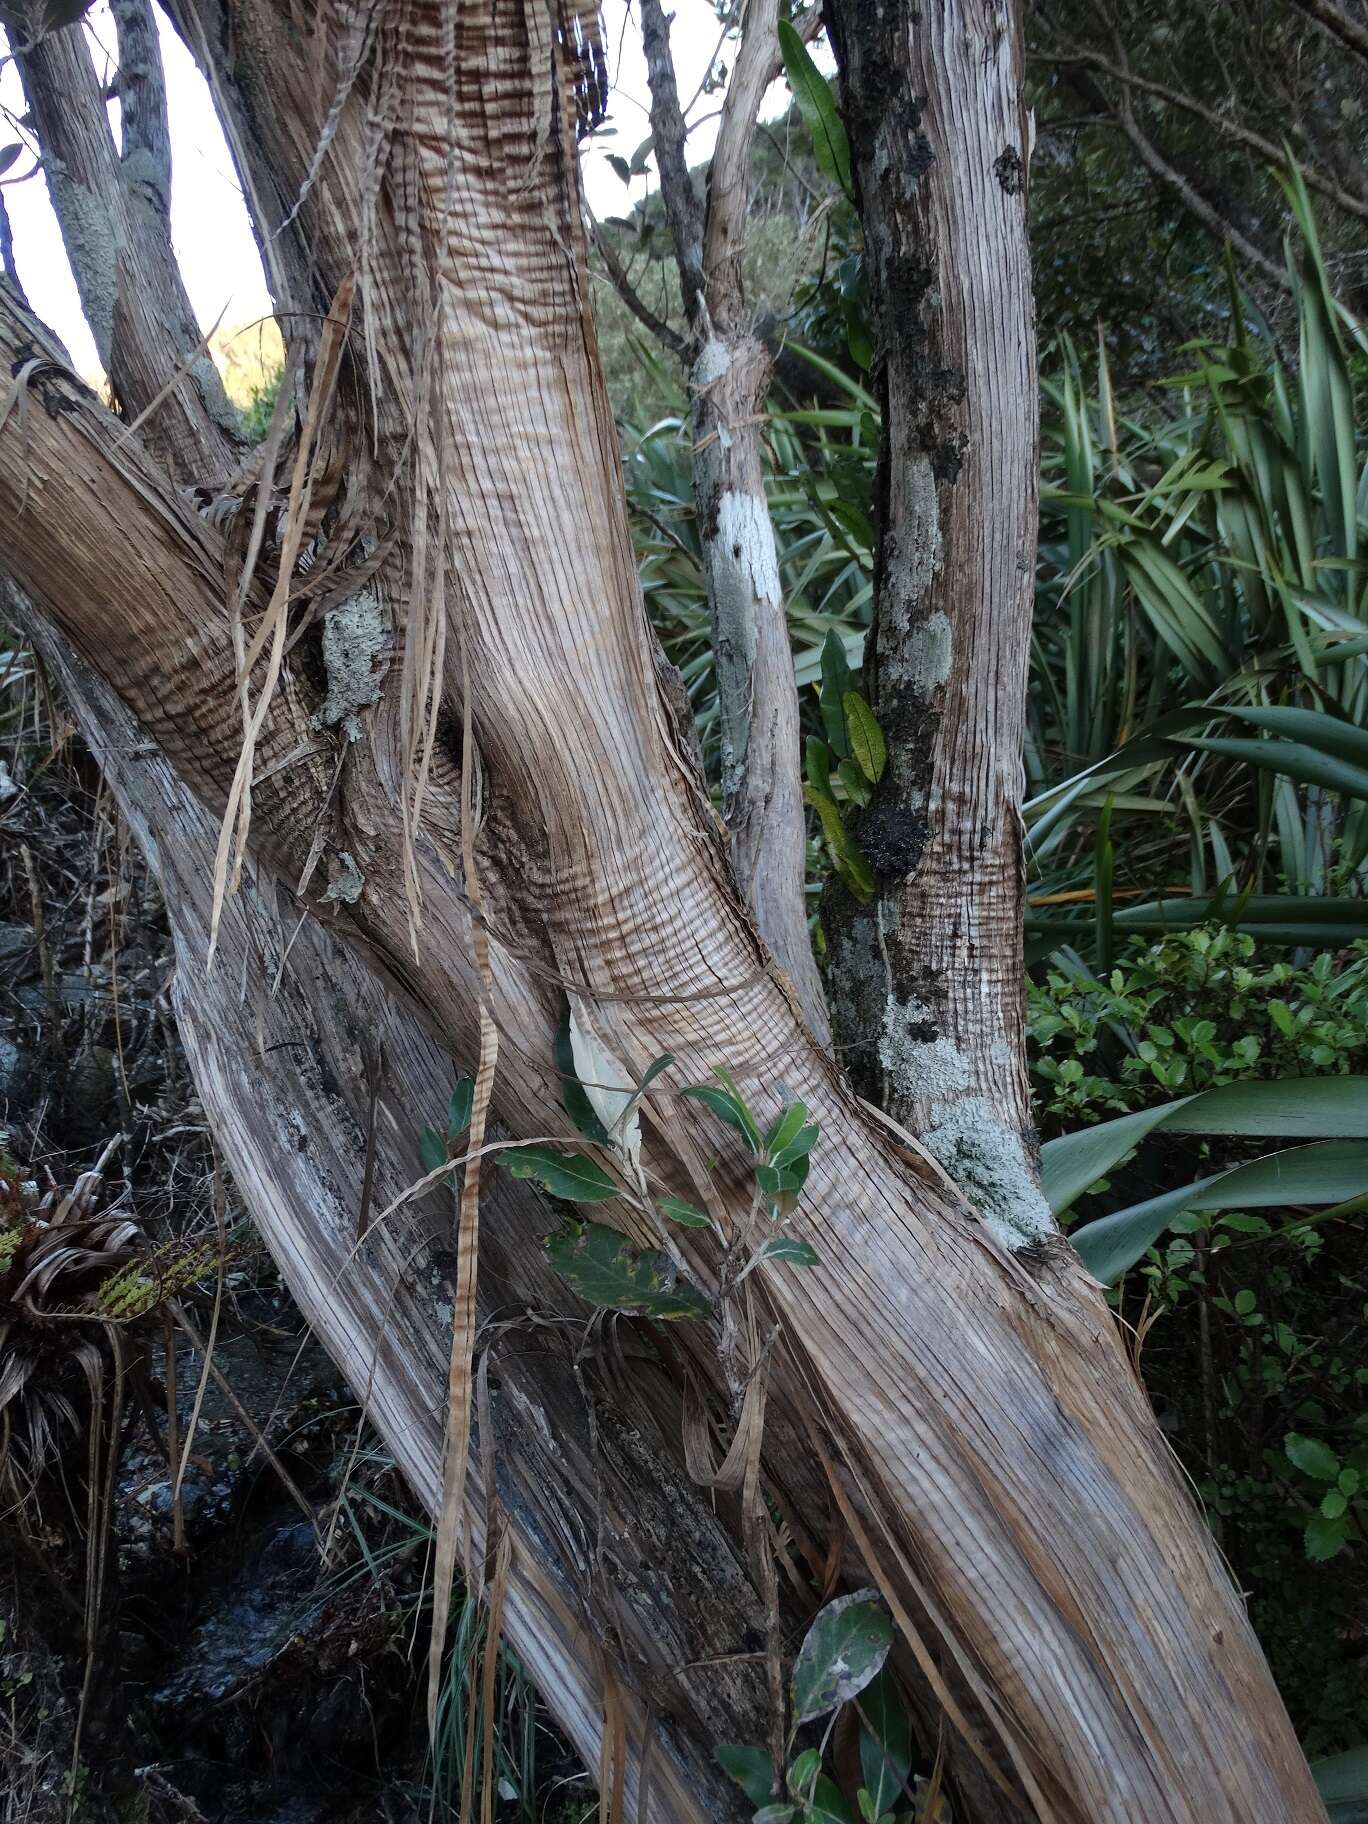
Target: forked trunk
967,1409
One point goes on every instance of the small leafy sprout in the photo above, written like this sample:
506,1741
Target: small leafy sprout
781,1155
841,1661
433,1149
1340,1488
607,1271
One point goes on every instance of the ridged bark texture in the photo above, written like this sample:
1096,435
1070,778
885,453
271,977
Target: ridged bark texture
927,981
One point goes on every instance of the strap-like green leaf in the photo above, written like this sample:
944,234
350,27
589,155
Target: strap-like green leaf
1314,729
1295,760
1343,1783
1327,1173
835,683
817,105
1298,1107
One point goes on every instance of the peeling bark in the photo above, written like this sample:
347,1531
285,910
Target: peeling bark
617,1560
927,982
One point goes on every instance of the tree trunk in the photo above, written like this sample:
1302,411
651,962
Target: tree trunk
114,212
928,983
970,1410
729,374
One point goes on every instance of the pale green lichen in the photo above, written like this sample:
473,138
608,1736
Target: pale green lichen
713,361
143,169
92,241
988,1162
926,1067
355,640
345,880
930,652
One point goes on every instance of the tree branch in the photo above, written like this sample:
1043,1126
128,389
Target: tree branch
113,217
1195,203
1341,26
1091,93
143,125
729,177
758,713
683,211
8,269
1273,154
631,297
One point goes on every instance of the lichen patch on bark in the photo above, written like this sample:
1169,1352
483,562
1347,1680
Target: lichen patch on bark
987,1160
355,639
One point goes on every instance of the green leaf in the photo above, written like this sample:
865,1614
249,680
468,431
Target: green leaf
1276,918
775,1814
842,1651
835,684
567,1175
728,1104
784,1127
818,765
868,748
607,1271
1293,759
655,1068
885,1741
1313,728
803,1771
460,1107
1312,1457
1324,1538
826,1805
684,1213
853,782
789,1248
798,1147
856,875
817,105
1333,1504
1326,1173
1295,1108
431,1149
846,858
8,154
574,1097
749,1767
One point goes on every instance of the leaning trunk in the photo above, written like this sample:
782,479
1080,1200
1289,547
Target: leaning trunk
514,820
